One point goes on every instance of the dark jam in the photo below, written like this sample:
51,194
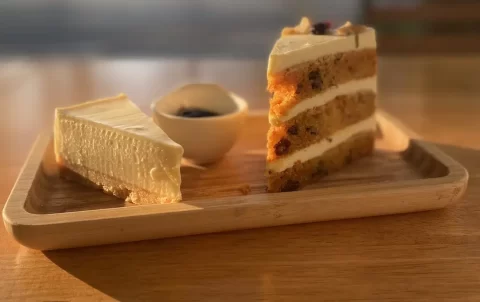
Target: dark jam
321,28
195,112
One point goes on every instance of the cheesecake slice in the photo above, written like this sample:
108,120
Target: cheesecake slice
112,144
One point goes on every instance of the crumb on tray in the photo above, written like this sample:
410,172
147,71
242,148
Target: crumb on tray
245,189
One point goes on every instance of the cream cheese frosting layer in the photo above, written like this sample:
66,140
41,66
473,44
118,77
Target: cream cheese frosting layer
325,97
324,145
295,49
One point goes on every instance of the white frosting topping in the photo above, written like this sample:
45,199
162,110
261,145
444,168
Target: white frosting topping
325,97
321,147
295,49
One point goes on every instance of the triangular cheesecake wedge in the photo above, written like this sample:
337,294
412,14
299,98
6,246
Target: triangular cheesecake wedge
324,86
112,144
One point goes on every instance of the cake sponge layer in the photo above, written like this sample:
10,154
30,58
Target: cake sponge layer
319,123
303,173
305,80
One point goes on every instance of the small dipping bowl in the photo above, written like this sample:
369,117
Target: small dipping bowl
204,139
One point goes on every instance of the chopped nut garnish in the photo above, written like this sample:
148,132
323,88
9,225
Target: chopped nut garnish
288,31
350,29
303,28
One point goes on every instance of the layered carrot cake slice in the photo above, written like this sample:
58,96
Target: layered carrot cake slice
323,84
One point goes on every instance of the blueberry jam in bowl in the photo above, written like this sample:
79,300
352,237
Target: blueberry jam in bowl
205,119
195,112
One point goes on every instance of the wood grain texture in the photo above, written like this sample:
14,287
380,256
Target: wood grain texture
47,212
427,256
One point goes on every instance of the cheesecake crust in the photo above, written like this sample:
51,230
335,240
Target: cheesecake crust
110,185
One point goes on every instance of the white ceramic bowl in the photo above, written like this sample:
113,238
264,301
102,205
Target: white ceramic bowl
206,139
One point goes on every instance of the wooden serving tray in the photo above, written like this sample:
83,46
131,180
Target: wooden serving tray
405,174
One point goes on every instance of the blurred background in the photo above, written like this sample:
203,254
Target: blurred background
227,28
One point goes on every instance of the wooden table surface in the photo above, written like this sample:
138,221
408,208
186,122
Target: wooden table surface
430,256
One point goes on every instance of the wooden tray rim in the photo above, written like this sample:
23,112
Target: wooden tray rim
17,218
